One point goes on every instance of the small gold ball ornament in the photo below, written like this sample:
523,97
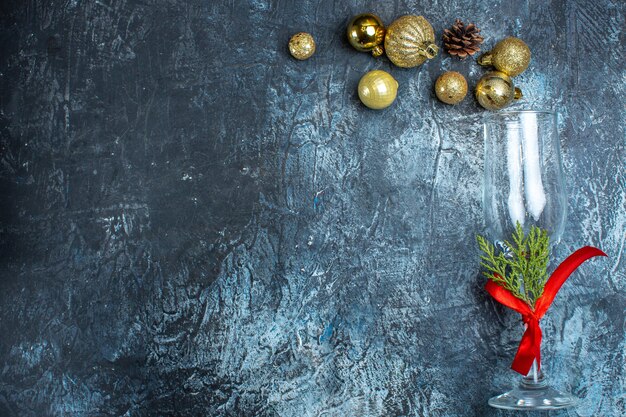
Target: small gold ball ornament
510,56
451,87
366,32
410,41
378,89
495,91
302,46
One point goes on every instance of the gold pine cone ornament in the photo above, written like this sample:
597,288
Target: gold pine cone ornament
378,89
366,33
510,56
495,91
410,41
462,40
451,87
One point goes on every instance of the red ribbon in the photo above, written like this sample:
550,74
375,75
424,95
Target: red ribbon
530,346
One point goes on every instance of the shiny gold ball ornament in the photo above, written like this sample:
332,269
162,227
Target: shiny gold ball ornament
378,89
302,46
510,56
495,91
366,32
451,87
410,41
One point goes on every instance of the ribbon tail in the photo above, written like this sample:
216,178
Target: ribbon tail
560,275
529,349
506,298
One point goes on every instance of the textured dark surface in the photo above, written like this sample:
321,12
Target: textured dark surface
195,224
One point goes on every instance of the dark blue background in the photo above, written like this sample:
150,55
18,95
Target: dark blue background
193,223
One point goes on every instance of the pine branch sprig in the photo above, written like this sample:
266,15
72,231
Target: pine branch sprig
496,267
524,271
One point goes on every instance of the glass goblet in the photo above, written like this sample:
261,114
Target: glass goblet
524,184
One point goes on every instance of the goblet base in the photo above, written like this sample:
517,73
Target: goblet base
533,394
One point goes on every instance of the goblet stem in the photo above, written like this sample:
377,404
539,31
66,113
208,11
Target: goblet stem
535,378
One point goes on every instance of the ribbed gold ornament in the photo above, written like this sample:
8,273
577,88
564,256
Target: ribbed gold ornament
410,41
510,56
495,91
377,89
451,87
366,33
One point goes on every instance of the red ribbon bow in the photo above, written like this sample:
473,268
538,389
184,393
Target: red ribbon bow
530,346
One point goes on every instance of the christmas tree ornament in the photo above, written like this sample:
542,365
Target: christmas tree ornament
366,33
377,89
451,87
461,40
302,46
495,91
410,41
510,56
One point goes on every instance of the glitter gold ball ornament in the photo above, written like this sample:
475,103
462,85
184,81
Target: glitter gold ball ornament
495,91
451,87
510,56
410,41
366,32
378,89
302,45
